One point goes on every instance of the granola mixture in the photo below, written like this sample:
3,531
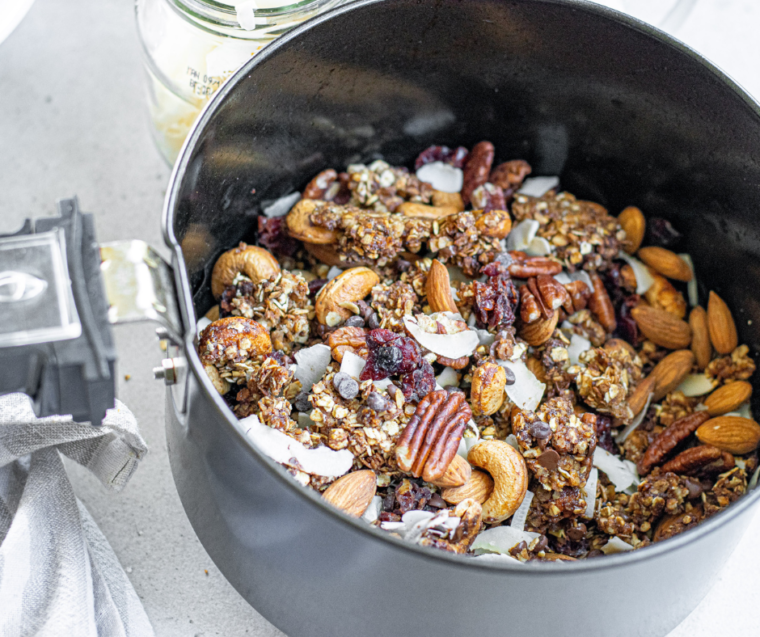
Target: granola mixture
482,366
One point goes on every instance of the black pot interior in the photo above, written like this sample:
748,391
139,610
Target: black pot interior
622,114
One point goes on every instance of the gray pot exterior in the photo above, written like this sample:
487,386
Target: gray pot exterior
623,114
312,573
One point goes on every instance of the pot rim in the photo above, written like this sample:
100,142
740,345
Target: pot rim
310,497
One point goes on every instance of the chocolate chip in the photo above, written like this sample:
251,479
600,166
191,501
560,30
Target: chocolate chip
348,388
577,533
339,378
549,459
402,265
437,502
510,375
301,403
377,402
542,545
539,430
695,489
594,553
354,321
373,321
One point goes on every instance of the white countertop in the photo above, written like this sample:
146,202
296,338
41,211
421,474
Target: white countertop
73,121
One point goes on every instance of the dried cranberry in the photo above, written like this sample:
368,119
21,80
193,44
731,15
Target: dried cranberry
627,329
244,288
604,434
315,286
411,355
273,237
419,383
496,299
661,233
456,157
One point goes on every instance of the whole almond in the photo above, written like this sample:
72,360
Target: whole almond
720,323
633,222
728,398
661,327
349,286
670,371
438,289
540,331
640,395
487,391
667,263
479,487
700,337
353,492
456,475
730,433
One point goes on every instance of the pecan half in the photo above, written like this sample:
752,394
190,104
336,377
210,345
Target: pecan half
524,267
669,439
704,460
477,169
530,310
348,339
431,438
579,294
600,304
553,294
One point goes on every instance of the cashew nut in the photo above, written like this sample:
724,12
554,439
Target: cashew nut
256,263
328,255
487,392
299,225
346,288
510,475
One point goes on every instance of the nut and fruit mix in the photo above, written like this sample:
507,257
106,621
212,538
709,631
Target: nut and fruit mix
474,360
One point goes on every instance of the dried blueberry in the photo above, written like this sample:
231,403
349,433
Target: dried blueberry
373,322
315,286
354,321
661,233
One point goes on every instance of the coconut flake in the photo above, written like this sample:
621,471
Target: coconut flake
616,545
312,363
745,410
691,286
501,539
485,337
447,377
373,510
203,323
522,234
753,480
321,461
452,346
582,275
696,385
644,280
467,443
589,493
305,421
441,176
282,206
539,247
519,517
562,278
352,364
383,384
622,473
333,272
578,345
538,186
623,435
526,392
511,440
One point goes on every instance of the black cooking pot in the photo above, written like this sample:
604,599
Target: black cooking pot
624,114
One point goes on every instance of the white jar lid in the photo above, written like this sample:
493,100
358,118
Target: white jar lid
246,10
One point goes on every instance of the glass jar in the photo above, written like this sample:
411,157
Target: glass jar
191,47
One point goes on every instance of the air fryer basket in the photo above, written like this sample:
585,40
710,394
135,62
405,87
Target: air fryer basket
624,114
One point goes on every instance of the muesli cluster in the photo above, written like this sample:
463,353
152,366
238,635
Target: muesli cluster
476,361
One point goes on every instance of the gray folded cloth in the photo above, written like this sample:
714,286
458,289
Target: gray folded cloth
58,574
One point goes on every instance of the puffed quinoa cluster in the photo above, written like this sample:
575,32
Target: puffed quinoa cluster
444,351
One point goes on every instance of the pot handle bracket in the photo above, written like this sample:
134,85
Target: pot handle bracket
140,286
